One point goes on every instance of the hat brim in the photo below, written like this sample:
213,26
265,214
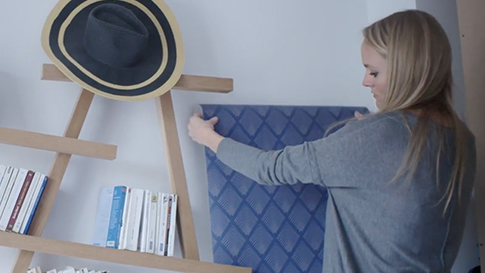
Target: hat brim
158,70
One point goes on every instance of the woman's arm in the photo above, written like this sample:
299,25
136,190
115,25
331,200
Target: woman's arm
288,166
332,161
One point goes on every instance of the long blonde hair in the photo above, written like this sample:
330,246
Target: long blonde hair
419,77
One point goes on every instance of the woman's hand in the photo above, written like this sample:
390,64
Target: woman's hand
202,131
358,115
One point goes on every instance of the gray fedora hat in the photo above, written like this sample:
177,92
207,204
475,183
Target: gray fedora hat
120,49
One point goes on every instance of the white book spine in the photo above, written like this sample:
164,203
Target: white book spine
12,199
142,242
103,211
10,179
4,182
134,219
159,221
160,225
172,229
124,221
152,223
3,170
162,233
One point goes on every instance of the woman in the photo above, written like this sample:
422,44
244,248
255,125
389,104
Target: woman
399,181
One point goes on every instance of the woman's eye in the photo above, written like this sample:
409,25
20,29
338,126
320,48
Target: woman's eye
374,74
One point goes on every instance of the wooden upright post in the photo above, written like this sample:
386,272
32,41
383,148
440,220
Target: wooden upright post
185,221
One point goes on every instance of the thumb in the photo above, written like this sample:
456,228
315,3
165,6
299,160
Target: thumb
358,115
214,120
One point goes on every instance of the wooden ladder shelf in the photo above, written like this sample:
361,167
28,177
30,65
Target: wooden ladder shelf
69,144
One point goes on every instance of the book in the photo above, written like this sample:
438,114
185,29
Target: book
39,190
145,215
29,198
107,227
172,227
152,223
17,184
19,200
136,219
8,188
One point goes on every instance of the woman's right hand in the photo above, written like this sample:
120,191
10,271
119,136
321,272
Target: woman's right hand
202,131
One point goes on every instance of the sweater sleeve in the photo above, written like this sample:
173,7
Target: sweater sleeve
287,166
311,162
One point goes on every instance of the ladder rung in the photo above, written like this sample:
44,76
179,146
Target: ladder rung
186,82
57,144
84,251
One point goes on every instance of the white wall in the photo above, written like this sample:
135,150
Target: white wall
298,54
377,9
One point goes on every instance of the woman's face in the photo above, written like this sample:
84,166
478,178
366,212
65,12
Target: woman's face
375,74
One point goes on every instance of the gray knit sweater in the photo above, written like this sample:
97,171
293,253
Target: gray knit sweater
372,225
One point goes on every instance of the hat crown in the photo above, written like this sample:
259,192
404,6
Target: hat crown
115,36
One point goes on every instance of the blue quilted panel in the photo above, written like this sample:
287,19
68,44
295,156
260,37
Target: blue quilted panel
268,228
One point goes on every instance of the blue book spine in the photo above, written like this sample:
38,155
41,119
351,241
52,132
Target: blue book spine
41,191
116,217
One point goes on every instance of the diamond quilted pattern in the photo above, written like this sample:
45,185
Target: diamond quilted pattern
246,220
285,198
258,199
261,239
271,229
273,218
287,237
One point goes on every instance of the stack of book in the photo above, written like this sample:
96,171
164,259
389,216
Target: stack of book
20,193
68,269
136,219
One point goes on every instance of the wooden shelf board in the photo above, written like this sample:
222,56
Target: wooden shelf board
186,82
57,144
84,251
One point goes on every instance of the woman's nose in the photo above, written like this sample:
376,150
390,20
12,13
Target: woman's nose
367,82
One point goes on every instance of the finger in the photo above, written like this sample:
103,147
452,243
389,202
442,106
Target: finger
214,120
197,115
193,119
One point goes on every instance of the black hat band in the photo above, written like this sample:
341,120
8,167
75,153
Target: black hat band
115,36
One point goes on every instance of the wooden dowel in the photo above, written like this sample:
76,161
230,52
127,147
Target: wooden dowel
186,82
84,251
57,143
